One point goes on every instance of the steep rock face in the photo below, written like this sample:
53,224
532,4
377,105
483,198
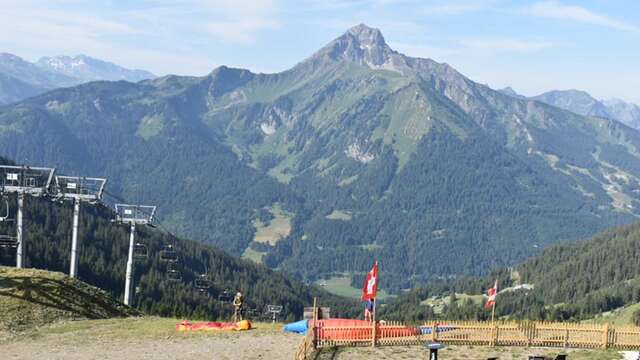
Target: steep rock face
357,152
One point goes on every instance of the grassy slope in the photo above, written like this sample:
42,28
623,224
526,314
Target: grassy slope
341,286
620,316
30,298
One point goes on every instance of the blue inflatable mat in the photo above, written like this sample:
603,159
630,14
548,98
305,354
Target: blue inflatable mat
299,327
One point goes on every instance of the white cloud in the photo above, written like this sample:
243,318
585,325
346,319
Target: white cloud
556,10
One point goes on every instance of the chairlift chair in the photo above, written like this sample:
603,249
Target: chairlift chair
4,215
173,274
202,283
225,296
169,254
7,241
140,251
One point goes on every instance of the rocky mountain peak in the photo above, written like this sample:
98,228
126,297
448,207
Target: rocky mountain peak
367,36
362,45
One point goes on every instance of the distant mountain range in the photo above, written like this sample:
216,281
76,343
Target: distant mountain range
356,153
580,102
20,79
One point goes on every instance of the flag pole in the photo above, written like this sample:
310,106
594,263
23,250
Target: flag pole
373,316
373,324
493,312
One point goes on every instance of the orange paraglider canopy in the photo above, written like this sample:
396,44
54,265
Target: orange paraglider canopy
214,326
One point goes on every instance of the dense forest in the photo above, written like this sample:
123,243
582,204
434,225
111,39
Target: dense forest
569,282
104,247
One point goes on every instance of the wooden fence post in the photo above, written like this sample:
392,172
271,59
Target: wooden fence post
314,323
434,332
605,336
373,332
494,338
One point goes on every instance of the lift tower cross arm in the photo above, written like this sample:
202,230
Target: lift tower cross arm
23,181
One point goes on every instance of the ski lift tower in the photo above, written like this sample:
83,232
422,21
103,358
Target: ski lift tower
24,180
78,189
132,215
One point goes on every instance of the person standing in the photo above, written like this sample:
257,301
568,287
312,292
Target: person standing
238,302
368,310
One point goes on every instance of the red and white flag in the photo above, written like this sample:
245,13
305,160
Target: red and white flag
370,287
491,293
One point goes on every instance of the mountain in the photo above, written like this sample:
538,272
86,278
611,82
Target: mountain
13,89
20,79
356,153
87,69
624,112
582,103
103,256
574,281
576,101
27,72
509,91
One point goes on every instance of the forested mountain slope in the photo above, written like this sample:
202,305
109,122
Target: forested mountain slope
103,256
564,282
357,153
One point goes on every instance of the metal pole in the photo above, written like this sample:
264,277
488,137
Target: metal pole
373,323
73,272
128,285
20,251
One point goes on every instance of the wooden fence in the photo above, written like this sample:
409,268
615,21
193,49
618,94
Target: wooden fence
478,333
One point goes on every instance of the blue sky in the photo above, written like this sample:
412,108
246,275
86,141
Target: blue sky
533,46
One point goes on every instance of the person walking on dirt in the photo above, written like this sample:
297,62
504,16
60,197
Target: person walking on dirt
238,302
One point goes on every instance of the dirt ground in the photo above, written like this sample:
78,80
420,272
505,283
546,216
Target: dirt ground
464,353
119,340
156,339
